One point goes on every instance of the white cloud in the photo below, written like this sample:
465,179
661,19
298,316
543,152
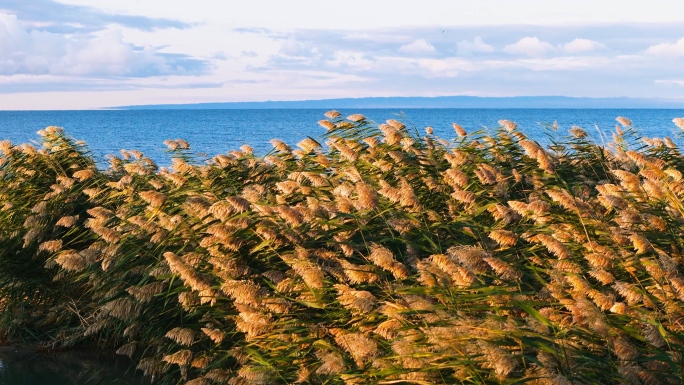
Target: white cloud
530,46
34,52
472,46
293,47
582,45
420,46
357,61
667,49
670,82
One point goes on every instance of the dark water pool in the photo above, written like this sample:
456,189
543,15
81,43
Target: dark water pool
26,367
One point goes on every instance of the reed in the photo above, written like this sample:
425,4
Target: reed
384,257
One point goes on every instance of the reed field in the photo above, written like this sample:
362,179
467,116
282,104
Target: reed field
385,255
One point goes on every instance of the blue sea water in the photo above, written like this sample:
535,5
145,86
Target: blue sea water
213,132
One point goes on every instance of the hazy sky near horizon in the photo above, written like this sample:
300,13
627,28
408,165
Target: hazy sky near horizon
80,54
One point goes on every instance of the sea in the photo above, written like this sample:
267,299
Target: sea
212,132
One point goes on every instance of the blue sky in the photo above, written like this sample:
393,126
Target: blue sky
72,54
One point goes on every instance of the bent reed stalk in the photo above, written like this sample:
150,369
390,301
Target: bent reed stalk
384,258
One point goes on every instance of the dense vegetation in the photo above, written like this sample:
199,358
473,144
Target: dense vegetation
385,257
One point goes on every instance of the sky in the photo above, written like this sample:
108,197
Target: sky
85,54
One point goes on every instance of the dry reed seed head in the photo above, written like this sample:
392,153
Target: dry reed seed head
545,162
291,216
153,198
287,187
218,375
356,118
679,122
176,179
189,276
29,149
51,246
347,153
652,334
598,260
40,208
487,174
308,145
621,346
641,244
247,149
655,222
181,358
458,274
145,293
408,196
255,375
83,175
360,346
171,144
383,257
676,175
630,292
456,159
504,237
508,125
624,122
70,260
371,141
501,268
470,257
396,124
53,130
332,363
465,197
280,146
127,349
357,301
310,273
156,184
188,300
239,204
429,130
109,235
225,161
391,135
182,336
603,301
498,359
367,197
124,309
459,130
6,147
503,213
180,166
388,329
243,292
578,132
252,323
553,246
566,200
216,335
332,114
456,178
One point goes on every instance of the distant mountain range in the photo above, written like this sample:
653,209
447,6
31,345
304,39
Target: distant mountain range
431,102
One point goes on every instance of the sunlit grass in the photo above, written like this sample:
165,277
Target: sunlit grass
384,257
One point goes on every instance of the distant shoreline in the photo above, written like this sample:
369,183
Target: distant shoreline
451,102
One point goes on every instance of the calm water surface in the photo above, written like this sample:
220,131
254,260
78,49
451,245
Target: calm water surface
218,131
66,368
